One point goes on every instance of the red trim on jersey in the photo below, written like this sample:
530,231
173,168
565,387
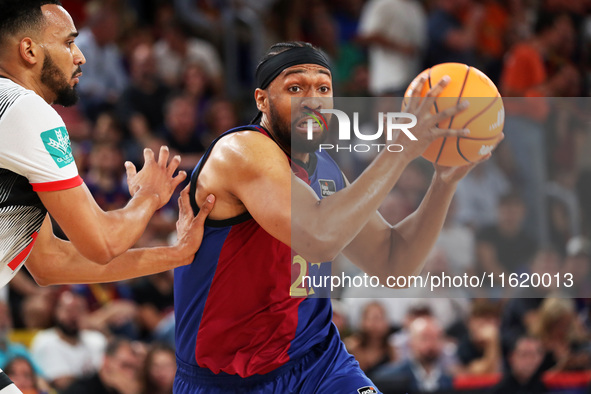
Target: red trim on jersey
14,263
57,185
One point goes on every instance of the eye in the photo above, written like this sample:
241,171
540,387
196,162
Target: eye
294,89
324,89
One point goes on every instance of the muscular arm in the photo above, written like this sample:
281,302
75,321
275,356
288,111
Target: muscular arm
382,249
251,169
101,236
54,261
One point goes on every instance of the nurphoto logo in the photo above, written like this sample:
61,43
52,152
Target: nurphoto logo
393,121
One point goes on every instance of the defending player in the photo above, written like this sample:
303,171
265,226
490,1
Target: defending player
238,328
40,65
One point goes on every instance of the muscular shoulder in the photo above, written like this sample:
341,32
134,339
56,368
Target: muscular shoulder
247,151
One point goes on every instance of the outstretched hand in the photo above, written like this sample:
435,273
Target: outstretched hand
156,177
190,228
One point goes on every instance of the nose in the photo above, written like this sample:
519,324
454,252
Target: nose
79,58
314,103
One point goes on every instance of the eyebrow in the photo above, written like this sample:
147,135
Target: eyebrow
302,71
73,34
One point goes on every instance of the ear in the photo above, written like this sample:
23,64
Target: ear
261,98
29,51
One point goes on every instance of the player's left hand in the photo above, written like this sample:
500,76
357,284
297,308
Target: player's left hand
189,227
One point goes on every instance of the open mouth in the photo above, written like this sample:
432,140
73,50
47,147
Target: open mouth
314,118
302,125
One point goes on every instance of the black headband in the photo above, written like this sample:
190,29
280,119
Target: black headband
272,67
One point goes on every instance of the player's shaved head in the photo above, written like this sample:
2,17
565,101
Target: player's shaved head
21,17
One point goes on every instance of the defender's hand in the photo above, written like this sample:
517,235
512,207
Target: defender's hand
156,177
190,228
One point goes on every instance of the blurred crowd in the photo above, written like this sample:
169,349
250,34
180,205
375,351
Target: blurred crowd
182,72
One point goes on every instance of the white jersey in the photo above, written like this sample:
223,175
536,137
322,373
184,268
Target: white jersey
35,155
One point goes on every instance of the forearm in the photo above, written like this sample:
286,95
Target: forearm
333,222
65,265
122,228
413,238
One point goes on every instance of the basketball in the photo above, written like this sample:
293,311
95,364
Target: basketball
484,117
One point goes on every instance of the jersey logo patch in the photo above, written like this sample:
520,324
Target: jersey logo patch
367,390
327,187
57,143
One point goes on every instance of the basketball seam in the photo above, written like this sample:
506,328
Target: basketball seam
436,111
482,111
452,118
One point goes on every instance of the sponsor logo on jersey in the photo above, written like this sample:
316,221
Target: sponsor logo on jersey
327,187
367,390
57,143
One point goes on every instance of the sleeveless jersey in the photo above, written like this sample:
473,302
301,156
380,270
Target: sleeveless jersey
241,307
35,155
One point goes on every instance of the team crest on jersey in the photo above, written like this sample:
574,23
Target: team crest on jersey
57,143
327,187
367,390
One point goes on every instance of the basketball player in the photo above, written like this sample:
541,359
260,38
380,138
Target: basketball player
40,65
238,329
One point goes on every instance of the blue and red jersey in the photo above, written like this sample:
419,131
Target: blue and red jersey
241,307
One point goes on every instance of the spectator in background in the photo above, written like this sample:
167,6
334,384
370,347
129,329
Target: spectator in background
523,376
492,35
104,76
220,116
452,36
141,106
423,371
457,242
525,73
370,345
395,31
480,352
520,314
505,247
180,130
105,176
563,337
176,49
155,299
20,370
9,349
478,194
197,84
578,264
119,373
111,308
159,370
67,351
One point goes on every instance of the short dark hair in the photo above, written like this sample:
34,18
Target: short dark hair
19,15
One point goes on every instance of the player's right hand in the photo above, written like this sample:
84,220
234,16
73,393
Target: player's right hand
156,177
426,130
190,228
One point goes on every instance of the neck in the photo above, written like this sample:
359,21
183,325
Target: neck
303,157
27,81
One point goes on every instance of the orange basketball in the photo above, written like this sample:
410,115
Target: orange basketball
484,117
